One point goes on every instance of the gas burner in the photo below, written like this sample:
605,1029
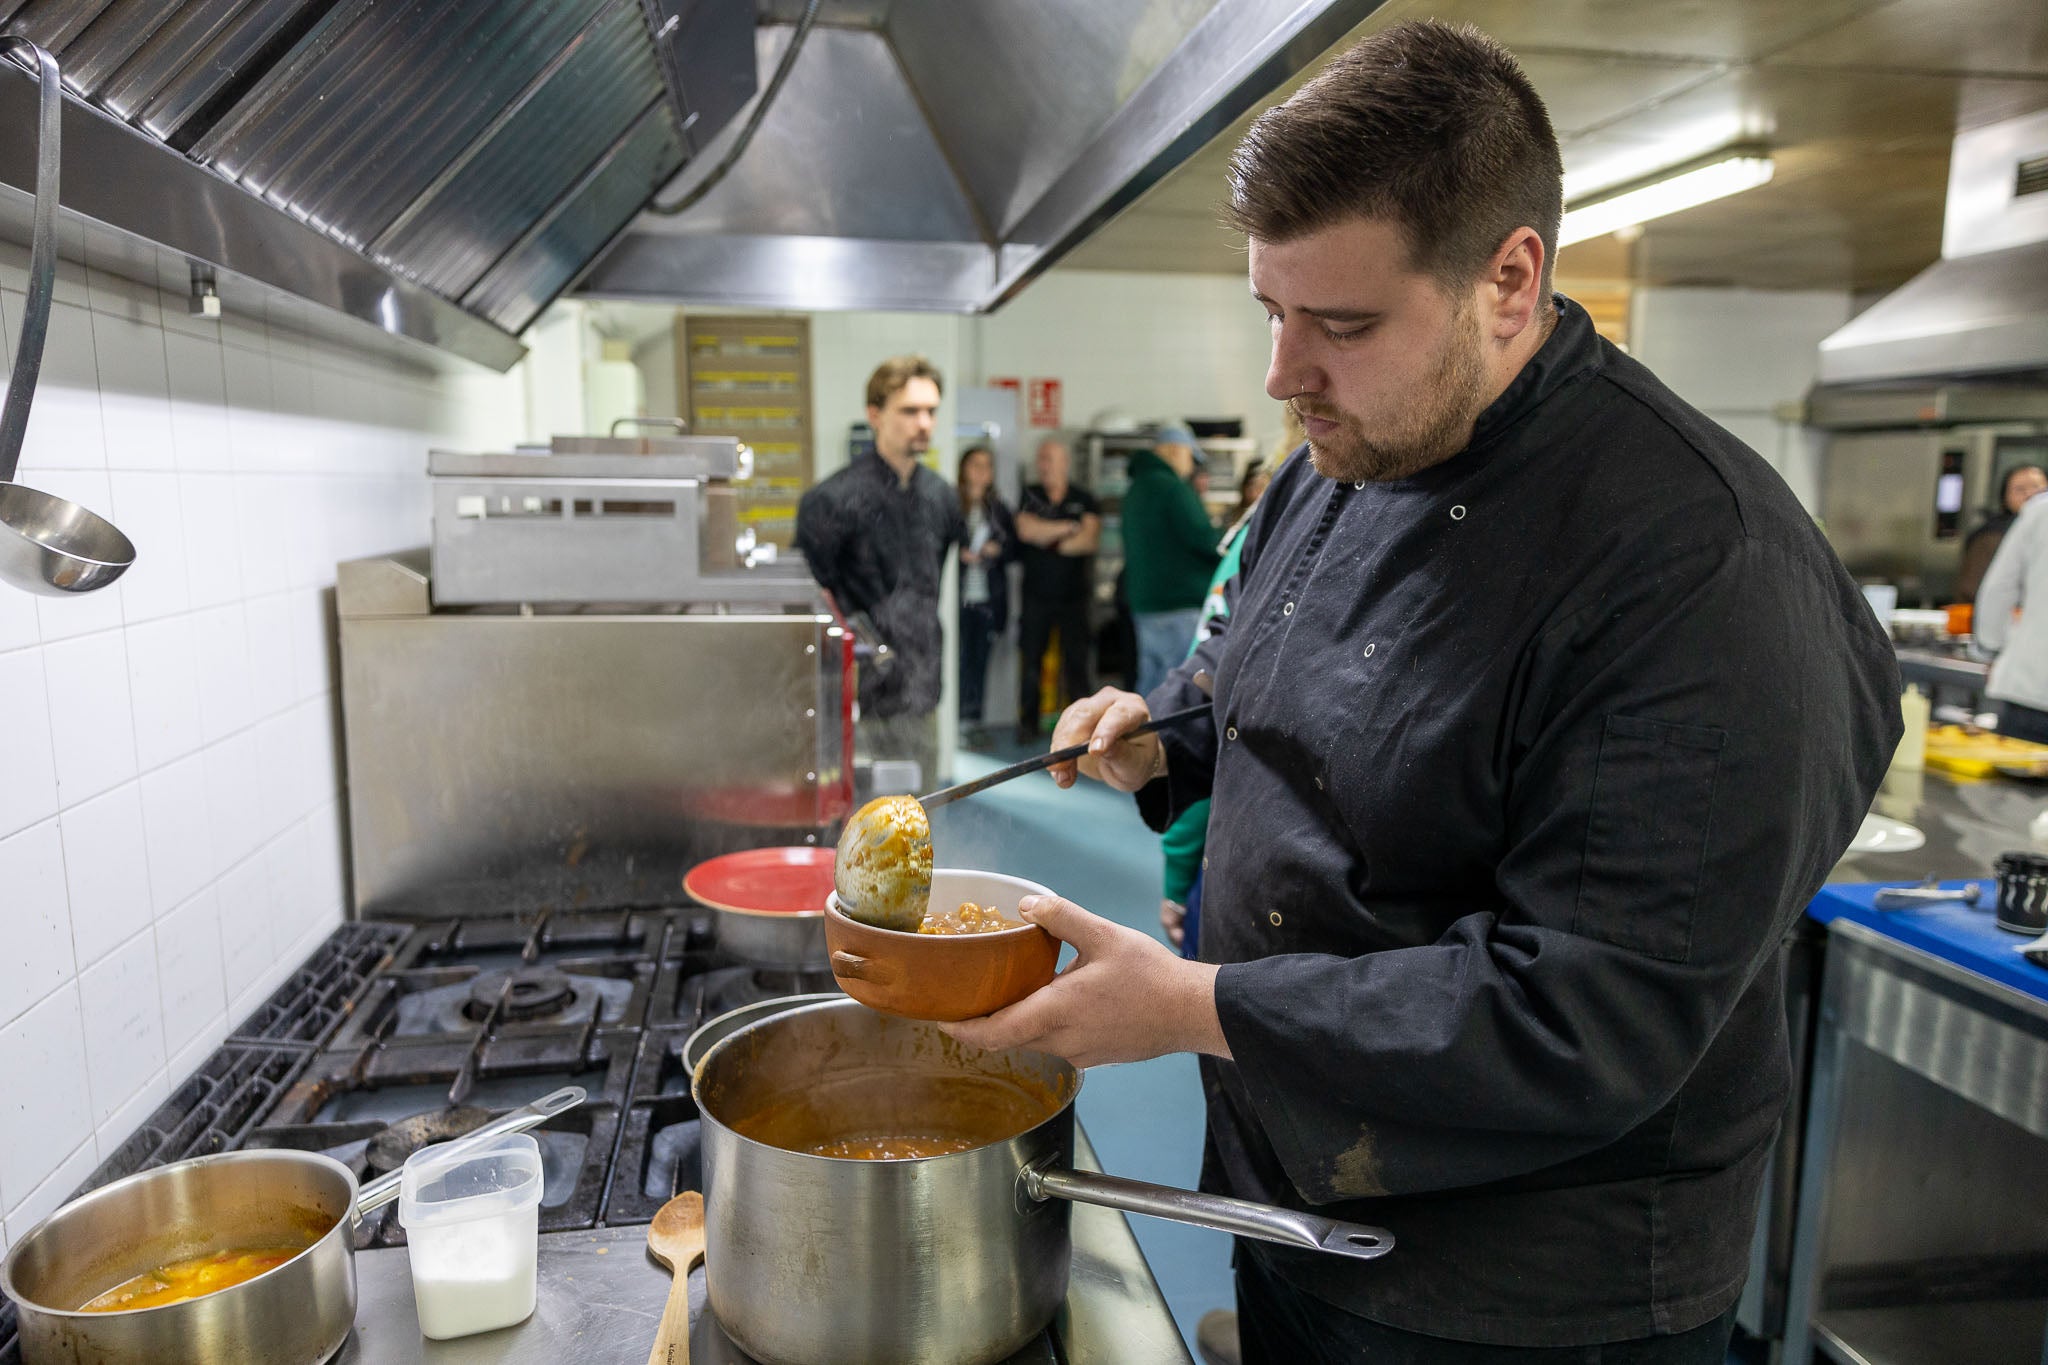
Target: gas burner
728,988
527,993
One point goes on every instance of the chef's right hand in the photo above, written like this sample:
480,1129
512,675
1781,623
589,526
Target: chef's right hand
1103,722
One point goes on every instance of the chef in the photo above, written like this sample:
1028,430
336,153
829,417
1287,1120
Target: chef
1540,712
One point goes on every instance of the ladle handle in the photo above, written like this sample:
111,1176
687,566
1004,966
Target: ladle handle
1240,1217
384,1188
42,251
1032,765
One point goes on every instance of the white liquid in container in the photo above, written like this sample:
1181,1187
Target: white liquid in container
472,1226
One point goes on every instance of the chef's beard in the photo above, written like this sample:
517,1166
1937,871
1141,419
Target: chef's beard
1428,428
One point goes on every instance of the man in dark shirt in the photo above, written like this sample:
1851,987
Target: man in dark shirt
1540,712
876,536
1060,526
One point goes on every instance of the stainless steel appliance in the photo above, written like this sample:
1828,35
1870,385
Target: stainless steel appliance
511,758
1911,471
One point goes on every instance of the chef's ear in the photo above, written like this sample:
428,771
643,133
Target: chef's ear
1513,292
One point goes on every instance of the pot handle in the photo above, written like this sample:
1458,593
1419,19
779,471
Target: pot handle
854,967
384,1188
1240,1217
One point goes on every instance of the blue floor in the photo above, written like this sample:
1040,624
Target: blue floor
1145,1119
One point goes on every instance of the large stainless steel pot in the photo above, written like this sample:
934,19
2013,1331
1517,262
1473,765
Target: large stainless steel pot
948,1260
297,1314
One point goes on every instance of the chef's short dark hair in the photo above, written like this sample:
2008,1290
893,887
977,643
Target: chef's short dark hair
1432,128
892,374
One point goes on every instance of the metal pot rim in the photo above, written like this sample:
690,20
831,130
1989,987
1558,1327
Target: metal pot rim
704,1115
108,1193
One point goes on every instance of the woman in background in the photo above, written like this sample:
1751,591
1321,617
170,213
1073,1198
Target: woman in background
984,581
2021,482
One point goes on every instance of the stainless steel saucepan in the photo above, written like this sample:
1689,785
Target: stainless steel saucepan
296,1314
48,545
956,1259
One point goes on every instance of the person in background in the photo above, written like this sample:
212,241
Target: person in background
1541,712
1169,552
985,555
2017,577
1180,905
1059,526
876,535
2020,483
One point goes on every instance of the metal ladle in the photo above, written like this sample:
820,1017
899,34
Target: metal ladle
882,870
48,545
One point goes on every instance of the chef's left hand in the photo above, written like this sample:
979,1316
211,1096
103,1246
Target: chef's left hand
1126,997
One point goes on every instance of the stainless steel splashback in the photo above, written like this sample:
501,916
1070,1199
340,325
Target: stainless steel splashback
507,762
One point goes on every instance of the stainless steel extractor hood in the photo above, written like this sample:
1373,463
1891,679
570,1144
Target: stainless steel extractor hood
442,171
1981,311
935,154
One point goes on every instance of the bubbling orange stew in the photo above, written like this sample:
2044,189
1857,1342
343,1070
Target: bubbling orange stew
896,1147
189,1279
968,919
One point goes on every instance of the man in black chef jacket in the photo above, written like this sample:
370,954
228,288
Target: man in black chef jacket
1540,712
876,536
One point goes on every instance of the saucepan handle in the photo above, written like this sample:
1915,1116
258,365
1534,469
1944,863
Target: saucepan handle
1240,1217
384,1188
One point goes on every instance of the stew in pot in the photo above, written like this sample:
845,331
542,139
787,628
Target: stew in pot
189,1279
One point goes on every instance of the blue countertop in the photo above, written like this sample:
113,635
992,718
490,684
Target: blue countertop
1966,936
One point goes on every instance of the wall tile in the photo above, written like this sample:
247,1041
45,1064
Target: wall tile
262,521
233,777
38,918
126,1119
148,511
188,1058
135,407
18,626
46,1106
92,728
318,750
214,566
288,862
64,428
28,780
245,915
106,869
313,633
278,781
124,1025
220,645
163,686
178,831
198,399
51,1195
330,853
117,296
188,960
271,682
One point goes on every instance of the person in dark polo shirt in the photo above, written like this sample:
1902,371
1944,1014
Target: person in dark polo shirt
1541,710
1060,526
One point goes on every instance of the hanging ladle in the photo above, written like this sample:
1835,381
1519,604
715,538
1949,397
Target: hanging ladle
47,545
882,872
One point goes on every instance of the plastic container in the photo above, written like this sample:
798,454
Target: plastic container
472,1227
1913,712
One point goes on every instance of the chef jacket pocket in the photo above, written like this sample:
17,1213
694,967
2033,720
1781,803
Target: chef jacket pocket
1646,835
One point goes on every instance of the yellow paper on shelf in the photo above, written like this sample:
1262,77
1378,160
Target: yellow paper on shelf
1980,753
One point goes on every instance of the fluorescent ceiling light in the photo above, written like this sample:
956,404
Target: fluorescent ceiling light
1713,177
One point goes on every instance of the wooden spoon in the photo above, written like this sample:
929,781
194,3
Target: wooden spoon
676,1237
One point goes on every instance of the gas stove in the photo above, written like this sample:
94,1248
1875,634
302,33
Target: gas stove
394,1036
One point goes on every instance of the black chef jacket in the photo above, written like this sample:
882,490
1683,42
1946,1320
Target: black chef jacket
1050,576
880,546
1521,768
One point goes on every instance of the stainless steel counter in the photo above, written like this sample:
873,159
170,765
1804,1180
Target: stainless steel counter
601,1295
1968,823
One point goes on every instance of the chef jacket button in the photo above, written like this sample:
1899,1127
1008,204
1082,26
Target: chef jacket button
1231,733
1358,487
1273,918
1319,784
1369,649
1458,512
1287,610
1205,862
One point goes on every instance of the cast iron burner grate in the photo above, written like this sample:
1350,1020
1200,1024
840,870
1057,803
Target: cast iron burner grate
307,1010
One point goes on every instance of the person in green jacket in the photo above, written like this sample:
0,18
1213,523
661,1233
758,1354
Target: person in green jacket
1185,839
1169,552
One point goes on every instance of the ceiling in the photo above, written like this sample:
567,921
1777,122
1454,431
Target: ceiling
1858,98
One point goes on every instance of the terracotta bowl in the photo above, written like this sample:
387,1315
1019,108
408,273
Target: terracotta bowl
944,976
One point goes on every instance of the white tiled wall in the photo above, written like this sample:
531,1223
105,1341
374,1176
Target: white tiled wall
170,835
